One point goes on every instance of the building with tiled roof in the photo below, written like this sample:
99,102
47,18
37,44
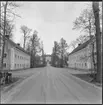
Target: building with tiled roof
15,57
81,57
48,57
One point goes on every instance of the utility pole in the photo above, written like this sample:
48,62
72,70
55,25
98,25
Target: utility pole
3,47
95,6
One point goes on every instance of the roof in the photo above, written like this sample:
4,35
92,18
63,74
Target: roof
81,46
17,46
47,55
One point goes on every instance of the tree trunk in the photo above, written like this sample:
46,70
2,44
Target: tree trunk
0,34
90,28
24,41
94,63
98,41
92,51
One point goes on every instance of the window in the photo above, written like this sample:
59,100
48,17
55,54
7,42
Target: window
15,65
85,64
0,52
5,55
4,65
15,55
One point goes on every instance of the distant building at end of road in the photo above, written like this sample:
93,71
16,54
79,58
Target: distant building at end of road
48,58
15,57
81,57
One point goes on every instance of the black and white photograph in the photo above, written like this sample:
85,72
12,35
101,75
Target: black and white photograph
51,52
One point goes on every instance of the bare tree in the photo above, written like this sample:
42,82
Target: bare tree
8,28
81,39
10,16
73,44
43,55
63,49
55,54
34,47
26,32
5,9
85,22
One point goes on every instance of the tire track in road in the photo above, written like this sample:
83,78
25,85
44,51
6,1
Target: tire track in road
57,90
86,88
50,89
66,93
70,89
43,94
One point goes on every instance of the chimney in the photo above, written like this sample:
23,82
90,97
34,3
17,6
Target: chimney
18,44
79,44
7,36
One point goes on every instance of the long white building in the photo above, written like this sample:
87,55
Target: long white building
81,57
48,58
15,57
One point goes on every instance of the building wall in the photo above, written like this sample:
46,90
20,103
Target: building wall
6,57
21,59
48,58
15,58
82,59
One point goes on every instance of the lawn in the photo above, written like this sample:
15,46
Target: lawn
88,78
14,79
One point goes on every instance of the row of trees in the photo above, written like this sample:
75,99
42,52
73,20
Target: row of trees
34,46
90,23
59,53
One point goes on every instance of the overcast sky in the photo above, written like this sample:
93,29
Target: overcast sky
52,20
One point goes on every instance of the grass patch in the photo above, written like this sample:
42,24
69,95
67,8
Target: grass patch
13,83
14,79
88,78
85,77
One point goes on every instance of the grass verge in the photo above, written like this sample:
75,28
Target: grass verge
8,86
87,78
